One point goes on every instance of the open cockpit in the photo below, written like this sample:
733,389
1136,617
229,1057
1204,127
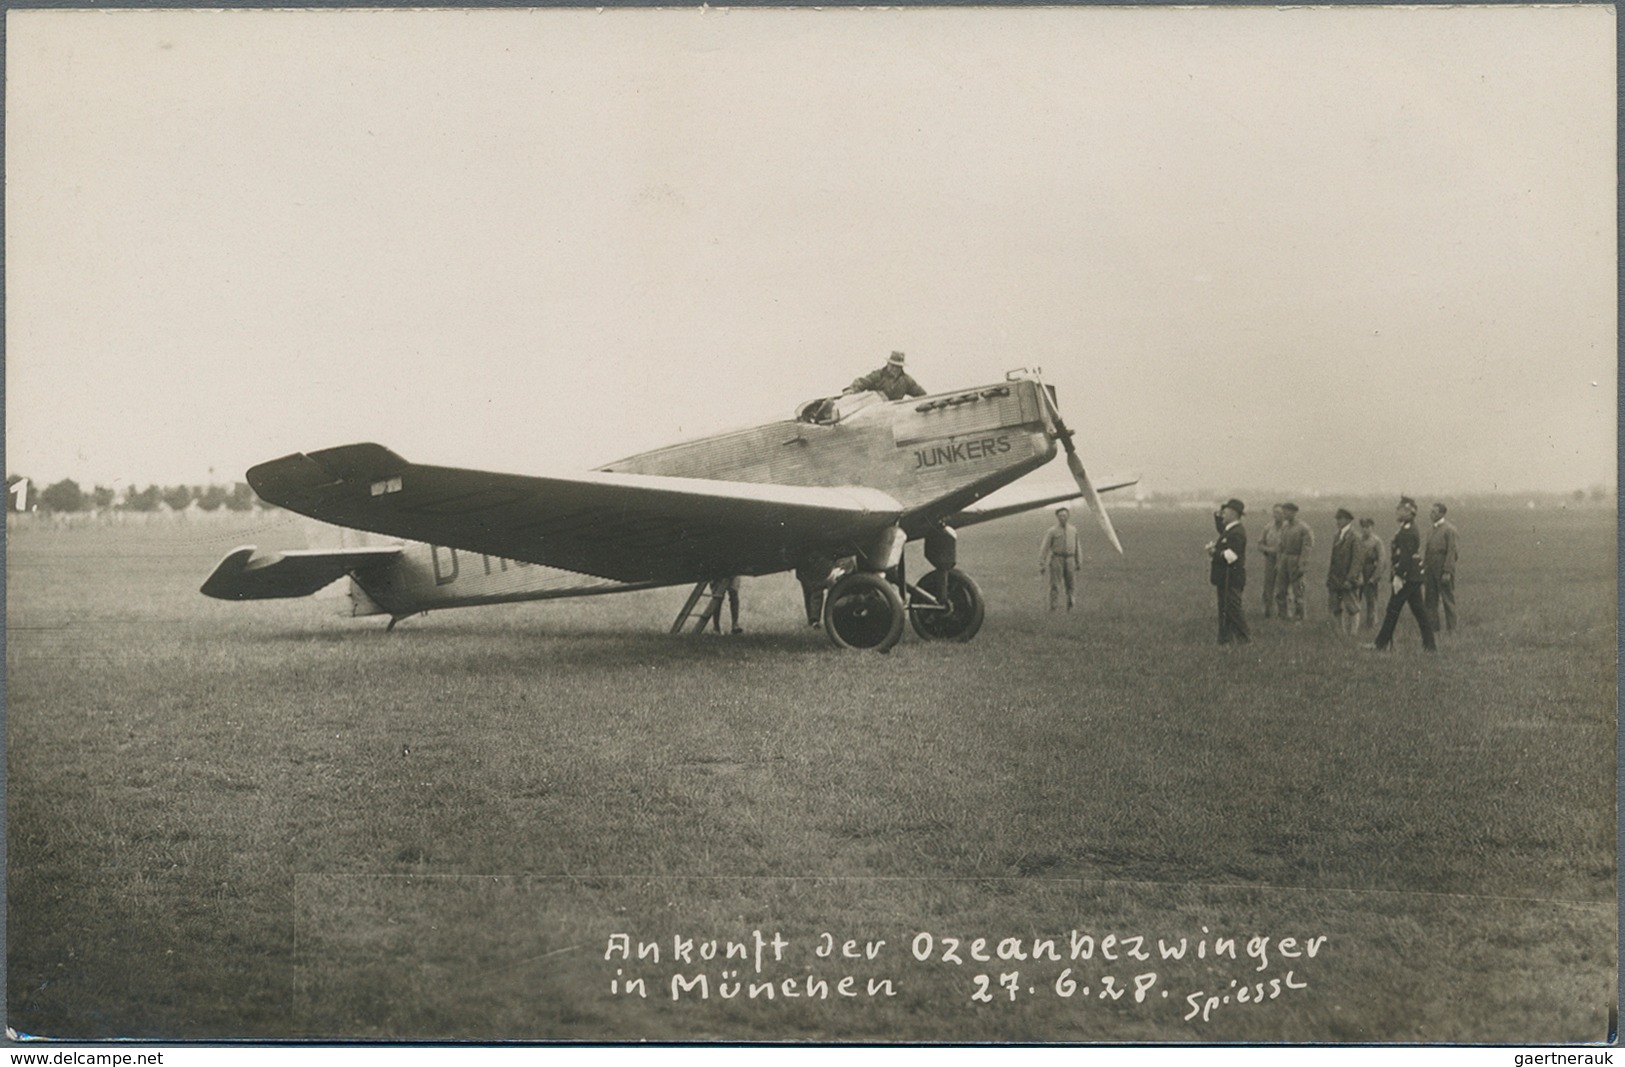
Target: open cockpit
828,410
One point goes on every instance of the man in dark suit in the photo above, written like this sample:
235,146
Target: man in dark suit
1228,571
1343,576
1406,560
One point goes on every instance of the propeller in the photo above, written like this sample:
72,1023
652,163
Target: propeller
1079,475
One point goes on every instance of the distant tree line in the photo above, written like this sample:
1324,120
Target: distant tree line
68,496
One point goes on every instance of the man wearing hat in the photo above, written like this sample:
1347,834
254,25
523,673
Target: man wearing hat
1344,577
891,380
1228,570
1058,555
1406,559
1294,544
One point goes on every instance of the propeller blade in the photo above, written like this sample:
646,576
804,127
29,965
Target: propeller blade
1092,498
1085,487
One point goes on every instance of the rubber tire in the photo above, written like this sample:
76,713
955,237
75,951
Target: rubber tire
869,611
966,607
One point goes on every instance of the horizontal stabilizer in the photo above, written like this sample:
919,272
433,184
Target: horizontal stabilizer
247,575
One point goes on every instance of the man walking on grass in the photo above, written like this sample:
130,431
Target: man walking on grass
1407,582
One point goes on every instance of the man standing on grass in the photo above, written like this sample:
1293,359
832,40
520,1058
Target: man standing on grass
1439,566
1373,571
1228,571
729,588
1343,577
1058,556
1296,541
1406,557
1269,543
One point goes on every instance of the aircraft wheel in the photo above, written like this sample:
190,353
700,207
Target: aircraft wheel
965,608
864,611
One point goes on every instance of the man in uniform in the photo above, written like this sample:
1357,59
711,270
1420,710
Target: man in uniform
1296,541
1407,581
891,380
1344,576
1269,543
1373,571
1439,569
1058,555
1228,571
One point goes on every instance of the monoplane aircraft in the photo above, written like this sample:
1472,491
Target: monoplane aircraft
832,494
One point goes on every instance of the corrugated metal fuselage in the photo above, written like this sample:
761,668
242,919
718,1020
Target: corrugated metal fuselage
432,577
934,454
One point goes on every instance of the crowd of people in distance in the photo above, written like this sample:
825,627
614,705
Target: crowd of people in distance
1420,572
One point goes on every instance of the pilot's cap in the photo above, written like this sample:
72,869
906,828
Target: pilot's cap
896,359
1344,514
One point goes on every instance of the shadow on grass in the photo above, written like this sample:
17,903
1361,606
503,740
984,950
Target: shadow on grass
600,645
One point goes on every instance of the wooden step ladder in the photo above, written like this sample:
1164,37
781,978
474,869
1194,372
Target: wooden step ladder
713,605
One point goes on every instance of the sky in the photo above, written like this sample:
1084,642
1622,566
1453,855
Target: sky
1357,249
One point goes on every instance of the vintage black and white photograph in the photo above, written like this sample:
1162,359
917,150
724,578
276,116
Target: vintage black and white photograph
960,524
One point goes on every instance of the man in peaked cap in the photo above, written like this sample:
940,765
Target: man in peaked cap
1406,560
891,380
1228,570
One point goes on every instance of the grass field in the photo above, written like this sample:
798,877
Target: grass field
264,821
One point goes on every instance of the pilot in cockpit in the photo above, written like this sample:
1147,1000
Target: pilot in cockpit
891,380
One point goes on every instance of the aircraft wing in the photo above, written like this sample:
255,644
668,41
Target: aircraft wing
242,575
629,527
1002,503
